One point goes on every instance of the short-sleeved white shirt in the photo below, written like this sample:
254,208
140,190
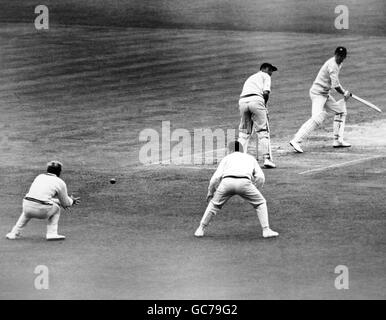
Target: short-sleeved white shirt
257,84
237,164
48,186
327,78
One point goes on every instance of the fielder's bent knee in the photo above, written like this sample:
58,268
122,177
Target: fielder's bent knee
54,210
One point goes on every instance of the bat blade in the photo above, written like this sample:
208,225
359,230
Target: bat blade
365,102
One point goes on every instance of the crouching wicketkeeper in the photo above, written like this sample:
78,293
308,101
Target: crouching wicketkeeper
237,174
43,201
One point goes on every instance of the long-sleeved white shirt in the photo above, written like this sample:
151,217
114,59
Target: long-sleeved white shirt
48,187
240,165
327,78
257,84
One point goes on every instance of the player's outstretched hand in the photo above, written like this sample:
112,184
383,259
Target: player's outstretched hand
347,95
75,199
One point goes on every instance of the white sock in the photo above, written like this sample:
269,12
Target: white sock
305,130
262,214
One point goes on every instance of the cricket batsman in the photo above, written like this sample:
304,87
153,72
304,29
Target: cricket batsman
43,201
253,112
237,174
323,103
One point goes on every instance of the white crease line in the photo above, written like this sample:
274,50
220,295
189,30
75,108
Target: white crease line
180,162
341,164
336,153
197,167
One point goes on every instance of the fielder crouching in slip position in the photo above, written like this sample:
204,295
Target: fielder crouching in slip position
43,201
253,112
323,103
237,174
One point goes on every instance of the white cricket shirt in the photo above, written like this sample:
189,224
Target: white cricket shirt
48,186
327,78
237,164
257,84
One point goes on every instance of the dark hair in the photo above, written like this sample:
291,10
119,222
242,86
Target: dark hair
54,167
341,51
268,65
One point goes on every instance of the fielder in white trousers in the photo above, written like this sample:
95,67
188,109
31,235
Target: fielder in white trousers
43,201
237,174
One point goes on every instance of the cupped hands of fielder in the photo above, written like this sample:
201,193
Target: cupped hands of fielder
75,199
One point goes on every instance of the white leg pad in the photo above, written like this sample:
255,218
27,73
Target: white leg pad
339,124
244,140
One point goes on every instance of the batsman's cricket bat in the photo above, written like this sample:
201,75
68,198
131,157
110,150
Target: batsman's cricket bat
369,104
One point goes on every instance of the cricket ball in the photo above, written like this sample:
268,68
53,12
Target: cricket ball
112,181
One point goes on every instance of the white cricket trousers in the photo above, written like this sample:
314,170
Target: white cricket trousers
33,210
253,119
243,187
322,105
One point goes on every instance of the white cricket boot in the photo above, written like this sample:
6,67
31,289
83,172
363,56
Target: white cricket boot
268,233
341,144
269,164
296,146
200,231
13,236
55,237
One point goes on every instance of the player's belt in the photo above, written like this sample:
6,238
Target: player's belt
236,177
38,201
249,95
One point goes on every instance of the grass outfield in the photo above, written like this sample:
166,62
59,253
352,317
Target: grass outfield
83,95
366,17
